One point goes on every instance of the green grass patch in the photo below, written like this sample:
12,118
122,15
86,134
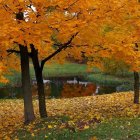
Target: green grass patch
115,129
57,70
104,79
118,129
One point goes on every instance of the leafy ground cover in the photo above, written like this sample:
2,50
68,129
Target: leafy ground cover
71,118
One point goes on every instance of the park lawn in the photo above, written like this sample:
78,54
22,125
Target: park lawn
67,69
107,79
101,116
57,70
115,129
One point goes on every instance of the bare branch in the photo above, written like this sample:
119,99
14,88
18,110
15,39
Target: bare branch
13,51
63,46
71,4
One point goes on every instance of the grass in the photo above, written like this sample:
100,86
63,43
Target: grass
67,69
115,129
118,129
106,79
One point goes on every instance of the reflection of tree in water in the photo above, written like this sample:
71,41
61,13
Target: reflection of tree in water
10,92
63,87
106,90
56,88
77,90
59,89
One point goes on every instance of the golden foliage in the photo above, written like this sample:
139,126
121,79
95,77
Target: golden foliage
2,78
105,29
77,90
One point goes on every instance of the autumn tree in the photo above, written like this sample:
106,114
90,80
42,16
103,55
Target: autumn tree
10,39
60,20
68,21
119,38
126,44
31,28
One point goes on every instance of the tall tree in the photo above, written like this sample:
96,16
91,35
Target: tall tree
40,22
13,22
66,20
26,85
120,38
136,88
25,74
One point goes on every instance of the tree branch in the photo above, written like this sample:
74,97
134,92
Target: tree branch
10,51
63,46
136,48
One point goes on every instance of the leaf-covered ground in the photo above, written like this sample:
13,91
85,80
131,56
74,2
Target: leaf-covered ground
74,114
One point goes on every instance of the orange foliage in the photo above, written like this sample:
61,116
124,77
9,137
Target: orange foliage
77,90
43,19
69,90
105,29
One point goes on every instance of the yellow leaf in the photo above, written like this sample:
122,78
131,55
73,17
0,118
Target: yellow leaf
86,127
93,138
21,0
50,126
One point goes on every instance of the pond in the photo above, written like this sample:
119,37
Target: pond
62,87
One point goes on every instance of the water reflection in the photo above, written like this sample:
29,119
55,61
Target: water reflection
61,88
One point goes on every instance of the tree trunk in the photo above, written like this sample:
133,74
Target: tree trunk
136,87
26,87
40,84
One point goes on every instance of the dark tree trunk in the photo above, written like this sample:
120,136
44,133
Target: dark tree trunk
40,84
26,87
136,87
38,72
